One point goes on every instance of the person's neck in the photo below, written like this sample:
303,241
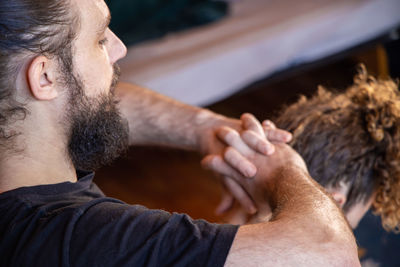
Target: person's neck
40,161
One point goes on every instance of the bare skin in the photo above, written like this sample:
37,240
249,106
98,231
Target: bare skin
237,215
42,146
41,152
307,228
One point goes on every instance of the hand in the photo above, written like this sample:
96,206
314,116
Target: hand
232,158
261,187
210,143
255,136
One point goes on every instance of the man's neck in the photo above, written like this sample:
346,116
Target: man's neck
40,161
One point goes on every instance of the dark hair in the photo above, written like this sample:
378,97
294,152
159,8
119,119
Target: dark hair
29,28
353,137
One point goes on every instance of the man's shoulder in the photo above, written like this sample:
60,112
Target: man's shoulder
77,226
40,222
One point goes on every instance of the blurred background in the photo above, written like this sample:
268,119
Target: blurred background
243,56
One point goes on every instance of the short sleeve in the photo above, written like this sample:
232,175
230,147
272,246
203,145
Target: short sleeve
117,234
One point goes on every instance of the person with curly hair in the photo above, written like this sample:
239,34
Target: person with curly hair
63,114
350,142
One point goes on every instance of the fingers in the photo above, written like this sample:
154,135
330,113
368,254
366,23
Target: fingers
258,143
269,124
251,123
225,204
239,162
254,135
232,138
217,164
274,134
240,195
247,143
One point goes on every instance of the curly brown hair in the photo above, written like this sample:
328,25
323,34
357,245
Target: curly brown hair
353,137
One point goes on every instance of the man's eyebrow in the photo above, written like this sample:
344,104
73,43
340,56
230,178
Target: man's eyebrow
104,25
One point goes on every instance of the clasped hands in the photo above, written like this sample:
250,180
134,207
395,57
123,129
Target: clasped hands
252,153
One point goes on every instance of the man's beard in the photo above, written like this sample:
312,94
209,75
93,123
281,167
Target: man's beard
97,132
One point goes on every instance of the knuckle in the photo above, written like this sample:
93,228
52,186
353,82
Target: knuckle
261,145
252,136
222,131
247,136
248,132
268,134
207,162
230,136
242,164
214,162
245,115
229,151
230,155
249,115
274,135
269,124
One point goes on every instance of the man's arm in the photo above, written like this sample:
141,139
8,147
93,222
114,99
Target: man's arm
155,119
306,228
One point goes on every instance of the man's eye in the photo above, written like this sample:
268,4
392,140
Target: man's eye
103,41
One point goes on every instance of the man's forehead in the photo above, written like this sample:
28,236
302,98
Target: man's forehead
102,7
95,11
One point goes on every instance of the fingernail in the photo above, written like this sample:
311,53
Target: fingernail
253,210
271,149
251,171
288,137
219,211
266,123
265,149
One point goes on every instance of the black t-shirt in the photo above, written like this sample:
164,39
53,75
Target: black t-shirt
74,224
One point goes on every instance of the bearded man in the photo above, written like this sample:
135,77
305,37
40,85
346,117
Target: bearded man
62,110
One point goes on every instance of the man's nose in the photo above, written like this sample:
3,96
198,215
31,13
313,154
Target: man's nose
118,49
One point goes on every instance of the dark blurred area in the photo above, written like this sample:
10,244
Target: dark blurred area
135,21
393,51
173,180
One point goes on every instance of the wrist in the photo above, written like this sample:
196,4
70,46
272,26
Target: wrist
205,123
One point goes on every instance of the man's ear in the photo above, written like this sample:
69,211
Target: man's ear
339,197
41,80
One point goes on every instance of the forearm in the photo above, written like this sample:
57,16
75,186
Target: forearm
307,228
155,119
